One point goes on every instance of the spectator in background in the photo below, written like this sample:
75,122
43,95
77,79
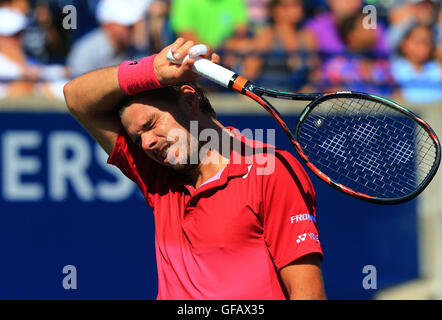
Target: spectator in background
157,25
45,38
314,8
359,67
439,27
20,75
439,38
258,14
221,24
325,27
86,18
217,23
402,17
153,33
19,5
416,71
16,75
439,53
111,43
283,50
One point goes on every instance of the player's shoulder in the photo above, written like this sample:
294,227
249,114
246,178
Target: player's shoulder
282,173
268,159
277,162
285,160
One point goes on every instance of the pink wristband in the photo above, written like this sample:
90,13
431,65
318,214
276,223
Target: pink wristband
138,76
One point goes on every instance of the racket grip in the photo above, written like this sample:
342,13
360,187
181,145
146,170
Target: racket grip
207,69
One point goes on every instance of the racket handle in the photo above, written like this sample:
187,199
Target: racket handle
207,69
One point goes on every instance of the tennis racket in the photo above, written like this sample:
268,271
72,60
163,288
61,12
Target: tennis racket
363,145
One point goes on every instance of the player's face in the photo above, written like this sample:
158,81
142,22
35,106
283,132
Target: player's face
163,136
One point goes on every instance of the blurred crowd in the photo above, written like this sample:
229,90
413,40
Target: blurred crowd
295,45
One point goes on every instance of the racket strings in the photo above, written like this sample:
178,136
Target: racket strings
368,146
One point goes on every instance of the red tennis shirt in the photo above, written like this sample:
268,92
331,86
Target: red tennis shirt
229,238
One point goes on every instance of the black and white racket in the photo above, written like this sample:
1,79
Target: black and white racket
363,145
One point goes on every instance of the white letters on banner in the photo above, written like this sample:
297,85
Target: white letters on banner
26,177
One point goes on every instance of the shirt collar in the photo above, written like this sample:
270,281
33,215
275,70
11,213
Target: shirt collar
238,165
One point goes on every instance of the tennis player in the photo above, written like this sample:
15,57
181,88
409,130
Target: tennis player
227,228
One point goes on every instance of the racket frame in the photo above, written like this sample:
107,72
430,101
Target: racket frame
316,99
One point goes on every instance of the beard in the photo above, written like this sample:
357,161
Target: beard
183,154
184,150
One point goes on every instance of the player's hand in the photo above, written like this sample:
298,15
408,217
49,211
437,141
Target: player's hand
169,73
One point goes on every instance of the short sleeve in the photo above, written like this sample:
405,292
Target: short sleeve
289,212
135,165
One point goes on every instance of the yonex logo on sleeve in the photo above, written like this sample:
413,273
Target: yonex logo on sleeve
311,235
301,238
302,217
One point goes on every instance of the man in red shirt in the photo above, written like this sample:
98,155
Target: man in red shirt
234,220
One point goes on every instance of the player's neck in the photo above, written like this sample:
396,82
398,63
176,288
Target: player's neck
207,171
213,155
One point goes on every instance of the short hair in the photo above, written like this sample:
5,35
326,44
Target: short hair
171,93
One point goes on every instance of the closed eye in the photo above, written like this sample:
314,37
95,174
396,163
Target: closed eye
147,126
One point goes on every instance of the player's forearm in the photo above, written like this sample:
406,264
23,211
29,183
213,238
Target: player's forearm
94,93
303,278
98,92
310,288
308,295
